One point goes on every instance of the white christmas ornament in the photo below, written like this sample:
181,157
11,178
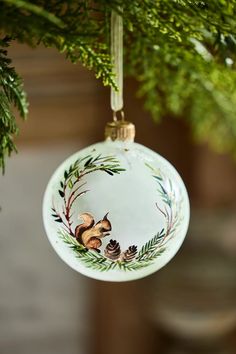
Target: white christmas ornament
116,210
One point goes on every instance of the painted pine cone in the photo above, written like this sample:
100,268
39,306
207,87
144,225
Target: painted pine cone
130,253
112,250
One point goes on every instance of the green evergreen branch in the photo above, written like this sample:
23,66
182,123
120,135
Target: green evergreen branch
162,41
11,94
35,9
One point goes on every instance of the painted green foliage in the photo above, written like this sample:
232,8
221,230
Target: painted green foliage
86,239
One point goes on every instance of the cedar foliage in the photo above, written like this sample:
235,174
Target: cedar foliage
182,52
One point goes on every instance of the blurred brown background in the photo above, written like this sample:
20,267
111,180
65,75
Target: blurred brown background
45,307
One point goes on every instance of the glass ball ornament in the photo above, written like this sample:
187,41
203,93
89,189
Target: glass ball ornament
116,210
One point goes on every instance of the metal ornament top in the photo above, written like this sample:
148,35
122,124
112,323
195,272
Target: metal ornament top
120,130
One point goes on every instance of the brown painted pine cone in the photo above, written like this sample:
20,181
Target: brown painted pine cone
130,253
112,250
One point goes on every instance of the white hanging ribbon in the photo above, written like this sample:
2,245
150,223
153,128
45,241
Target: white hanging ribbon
117,60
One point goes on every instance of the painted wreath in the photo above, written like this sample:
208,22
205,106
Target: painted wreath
86,239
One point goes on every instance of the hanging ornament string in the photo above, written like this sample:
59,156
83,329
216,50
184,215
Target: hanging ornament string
117,62
118,129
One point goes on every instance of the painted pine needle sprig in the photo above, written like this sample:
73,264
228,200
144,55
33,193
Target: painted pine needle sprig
112,258
149,249
97,261
70,186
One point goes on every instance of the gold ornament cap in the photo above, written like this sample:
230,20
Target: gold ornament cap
121,130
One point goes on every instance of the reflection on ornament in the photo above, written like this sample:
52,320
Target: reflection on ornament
116,210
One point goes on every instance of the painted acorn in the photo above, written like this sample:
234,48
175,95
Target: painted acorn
129,254
112,250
